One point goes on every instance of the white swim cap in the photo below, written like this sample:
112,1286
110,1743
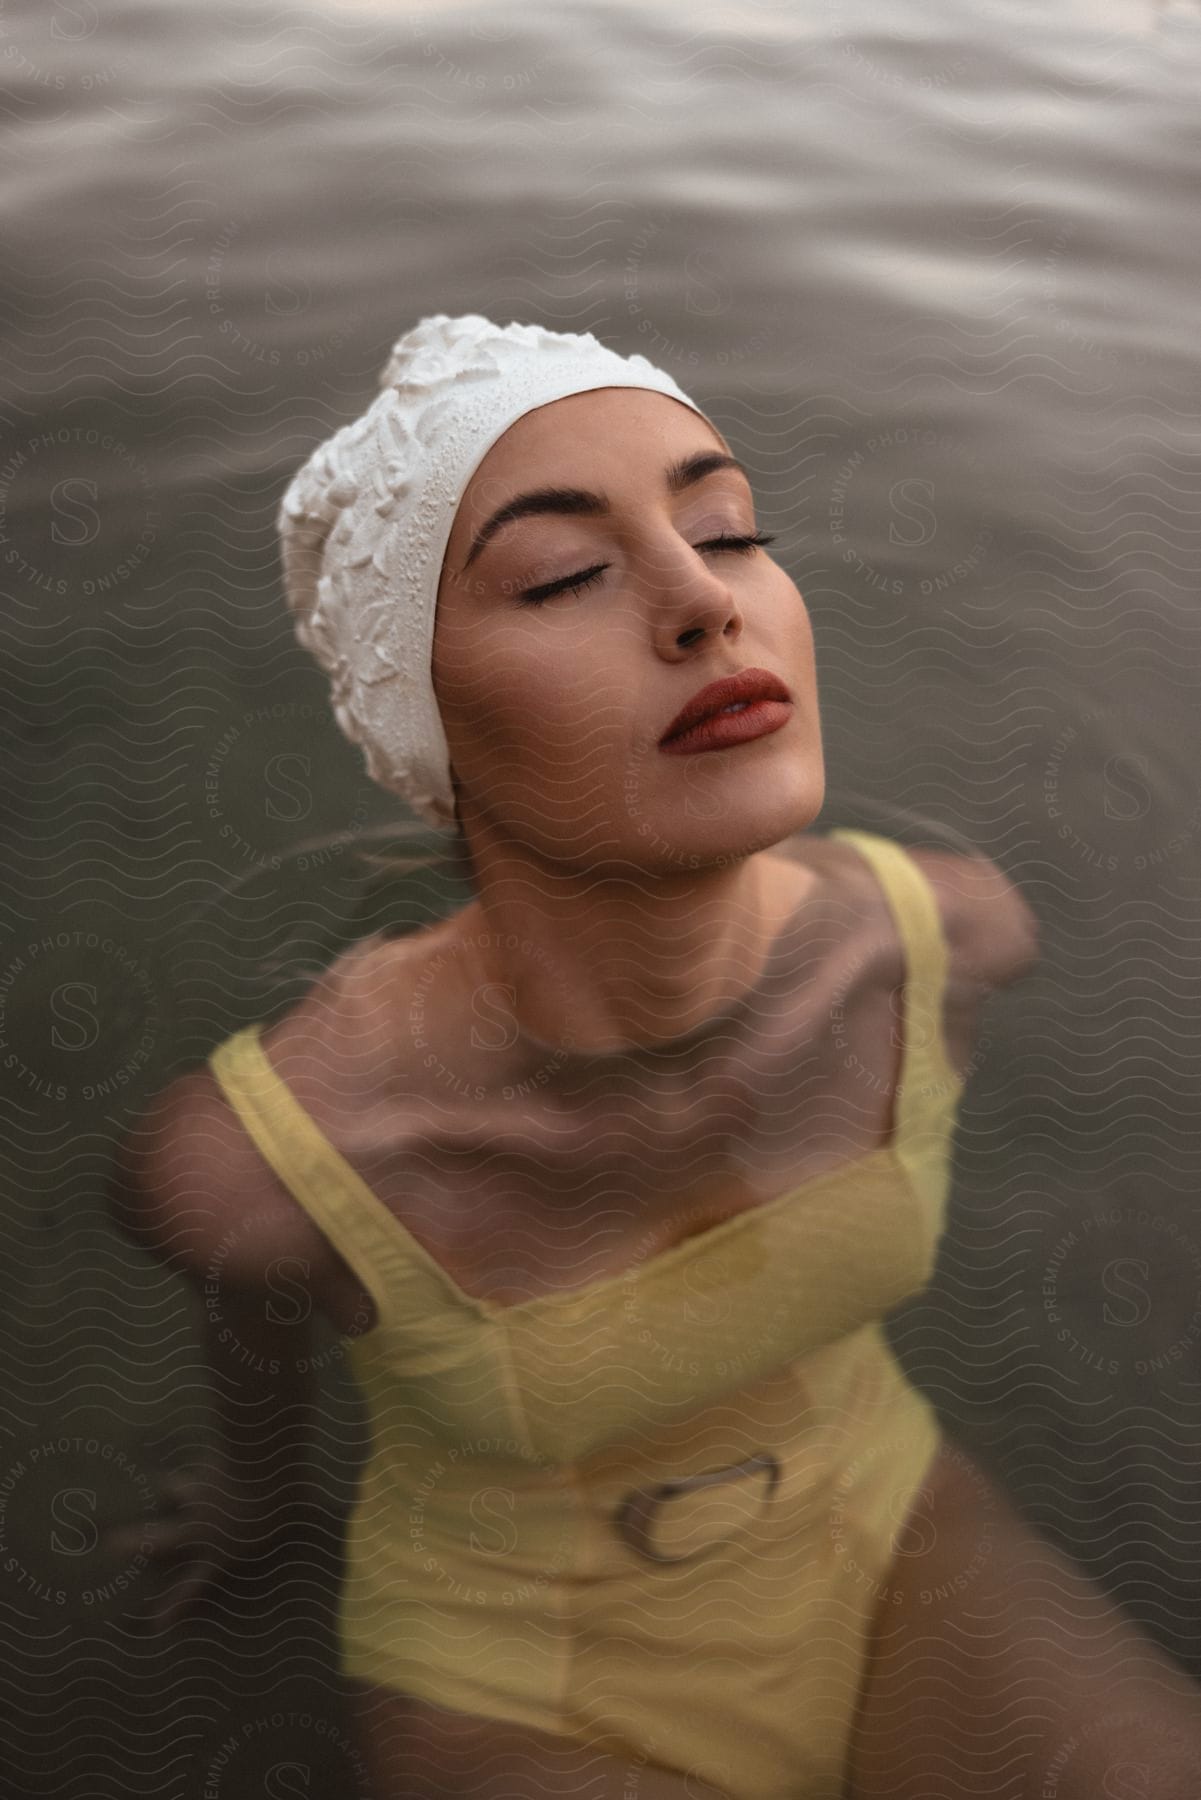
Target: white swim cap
365,523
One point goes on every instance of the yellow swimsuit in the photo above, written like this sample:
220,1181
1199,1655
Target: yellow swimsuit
657,1513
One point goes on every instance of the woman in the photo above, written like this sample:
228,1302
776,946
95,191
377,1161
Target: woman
609,1179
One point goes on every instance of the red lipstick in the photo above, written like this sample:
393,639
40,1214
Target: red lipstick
765,705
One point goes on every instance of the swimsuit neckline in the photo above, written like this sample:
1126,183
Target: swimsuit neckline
686,1249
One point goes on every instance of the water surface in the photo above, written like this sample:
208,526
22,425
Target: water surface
933,272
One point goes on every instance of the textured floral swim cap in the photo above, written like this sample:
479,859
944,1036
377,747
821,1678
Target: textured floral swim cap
365,523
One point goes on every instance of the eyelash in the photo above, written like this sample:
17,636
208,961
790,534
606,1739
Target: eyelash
575,584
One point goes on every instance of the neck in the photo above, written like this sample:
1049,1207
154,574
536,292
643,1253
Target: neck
600,965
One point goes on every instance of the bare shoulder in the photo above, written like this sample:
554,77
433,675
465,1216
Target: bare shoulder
991,930
188,1186
344,1048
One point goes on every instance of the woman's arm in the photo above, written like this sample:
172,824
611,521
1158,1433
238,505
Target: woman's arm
248,1500
996,1667
178,1191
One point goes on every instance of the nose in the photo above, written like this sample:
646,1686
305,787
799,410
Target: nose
689,594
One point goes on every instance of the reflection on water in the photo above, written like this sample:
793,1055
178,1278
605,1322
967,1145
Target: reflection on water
934,274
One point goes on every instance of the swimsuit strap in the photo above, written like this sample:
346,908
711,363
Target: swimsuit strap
351,1215
927,1074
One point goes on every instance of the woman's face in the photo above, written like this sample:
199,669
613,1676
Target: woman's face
553,712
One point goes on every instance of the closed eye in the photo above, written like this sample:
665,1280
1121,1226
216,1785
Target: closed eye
575,584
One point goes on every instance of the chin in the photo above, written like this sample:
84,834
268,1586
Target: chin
787,807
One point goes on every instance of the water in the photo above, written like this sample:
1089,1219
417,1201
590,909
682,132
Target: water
934,275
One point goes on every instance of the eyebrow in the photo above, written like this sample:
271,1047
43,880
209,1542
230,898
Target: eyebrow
678,475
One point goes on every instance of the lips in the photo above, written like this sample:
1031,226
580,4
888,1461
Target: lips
747,686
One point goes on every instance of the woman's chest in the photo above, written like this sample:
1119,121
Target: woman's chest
546,1184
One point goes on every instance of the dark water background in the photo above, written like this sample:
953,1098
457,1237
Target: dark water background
933,271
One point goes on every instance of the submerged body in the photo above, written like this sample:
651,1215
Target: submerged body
654,1509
